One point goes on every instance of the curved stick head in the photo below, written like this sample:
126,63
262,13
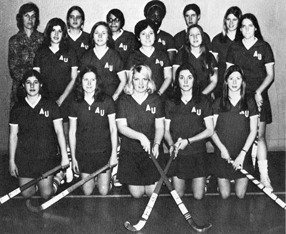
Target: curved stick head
199,228
136,227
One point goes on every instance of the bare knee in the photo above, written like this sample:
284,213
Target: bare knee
46,194
240,195
103,190
199,195
87,191
224,194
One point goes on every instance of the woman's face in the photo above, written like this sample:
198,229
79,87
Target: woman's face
29,20
147,37
247,29
234,81
100,35
195,37
140,83
186,80
56,34
231,22
32,86
89,82
114,23
75,20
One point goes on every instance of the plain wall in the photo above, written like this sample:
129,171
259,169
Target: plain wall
271,16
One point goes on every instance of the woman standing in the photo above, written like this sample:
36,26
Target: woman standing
157,60
196,53
235,118
125,42
188,123
140,120
23,46
106,60
58,65
35,132
77,39
222,41
255,57
93,132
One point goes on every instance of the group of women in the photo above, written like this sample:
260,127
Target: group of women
150,88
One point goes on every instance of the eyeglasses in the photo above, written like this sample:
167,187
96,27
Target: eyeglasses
116,20
78,17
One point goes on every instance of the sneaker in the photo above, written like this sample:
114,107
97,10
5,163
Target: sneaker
267,183
116,182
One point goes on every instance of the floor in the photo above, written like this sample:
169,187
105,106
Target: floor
76,214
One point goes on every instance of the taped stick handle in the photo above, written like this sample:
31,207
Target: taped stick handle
71,188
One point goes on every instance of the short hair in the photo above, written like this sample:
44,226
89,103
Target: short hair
75,8
21,91
49,28
118,14
152,4
28,7
142,25
110,42
193,7
225,103
146,72
78,89
176,93
232,10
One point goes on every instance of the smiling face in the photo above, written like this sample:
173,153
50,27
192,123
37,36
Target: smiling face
195,37
100,35
140,83
89,82
147,37
234,82
75,20
29,20
231,22
114,23
186,80
32,86
155,15
56,34
247,29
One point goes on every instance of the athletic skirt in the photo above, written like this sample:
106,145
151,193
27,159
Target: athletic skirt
189,166
32,167
136,168
223,169
90,162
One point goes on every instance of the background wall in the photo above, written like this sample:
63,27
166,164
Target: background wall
271,16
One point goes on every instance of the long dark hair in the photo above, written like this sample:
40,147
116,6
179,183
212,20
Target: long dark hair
28,7
254,20
176,92
48,30
205,54
99,95
110,41
225,104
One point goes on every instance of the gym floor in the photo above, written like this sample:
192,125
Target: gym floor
77,214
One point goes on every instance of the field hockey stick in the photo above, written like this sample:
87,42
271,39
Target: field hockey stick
32,182
151,202
178,200
67,191
268,192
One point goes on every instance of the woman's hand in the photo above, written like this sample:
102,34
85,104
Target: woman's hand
75,166
155,150
238,162
259,100
13,169
145,143
225,154
181,144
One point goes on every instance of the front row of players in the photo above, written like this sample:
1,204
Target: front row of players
185,120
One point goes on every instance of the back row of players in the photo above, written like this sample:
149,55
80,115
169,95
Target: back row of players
121,61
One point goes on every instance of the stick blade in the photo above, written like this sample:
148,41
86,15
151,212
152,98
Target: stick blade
136,227
31,207
199,228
